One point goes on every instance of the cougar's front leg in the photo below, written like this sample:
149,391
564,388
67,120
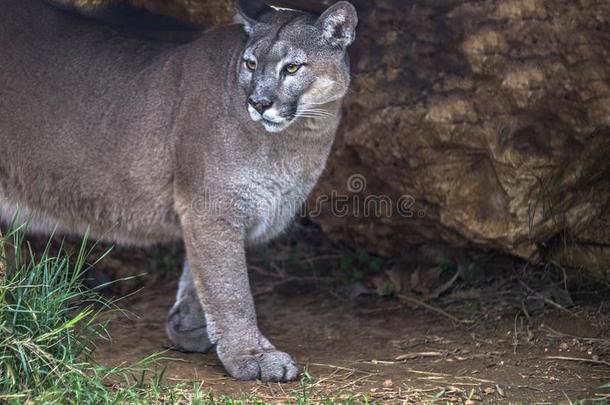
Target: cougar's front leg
186,321
217,260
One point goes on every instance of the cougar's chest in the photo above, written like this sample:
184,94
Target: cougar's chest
275,198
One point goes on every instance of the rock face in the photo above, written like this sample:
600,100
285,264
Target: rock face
469,124
492,119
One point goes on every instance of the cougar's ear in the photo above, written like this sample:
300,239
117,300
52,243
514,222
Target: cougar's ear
338,24
249,11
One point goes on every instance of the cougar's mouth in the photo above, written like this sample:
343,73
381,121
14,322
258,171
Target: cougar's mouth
271,120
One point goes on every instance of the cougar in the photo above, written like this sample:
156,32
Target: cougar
216,142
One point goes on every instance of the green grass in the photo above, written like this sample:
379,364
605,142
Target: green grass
48,324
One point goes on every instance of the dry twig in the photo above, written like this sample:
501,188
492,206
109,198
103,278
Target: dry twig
437,292
432,308
584,360
415,355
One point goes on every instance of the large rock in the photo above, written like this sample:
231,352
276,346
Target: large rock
493,117
485,124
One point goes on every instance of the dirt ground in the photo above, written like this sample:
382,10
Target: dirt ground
501,341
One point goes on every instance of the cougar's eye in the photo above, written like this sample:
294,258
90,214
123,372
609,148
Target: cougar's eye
251,64
292,68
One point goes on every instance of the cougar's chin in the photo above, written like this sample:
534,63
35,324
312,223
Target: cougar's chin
271,126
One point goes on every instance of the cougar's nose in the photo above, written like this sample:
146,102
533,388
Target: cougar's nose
260,104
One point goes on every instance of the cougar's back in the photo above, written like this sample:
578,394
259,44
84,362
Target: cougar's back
84,115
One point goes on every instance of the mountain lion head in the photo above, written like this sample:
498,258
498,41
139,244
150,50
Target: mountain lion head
294,62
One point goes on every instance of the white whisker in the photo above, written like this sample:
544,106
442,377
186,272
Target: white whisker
316,112
316,109
308,104
305,114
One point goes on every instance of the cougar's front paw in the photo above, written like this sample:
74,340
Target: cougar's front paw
260,363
